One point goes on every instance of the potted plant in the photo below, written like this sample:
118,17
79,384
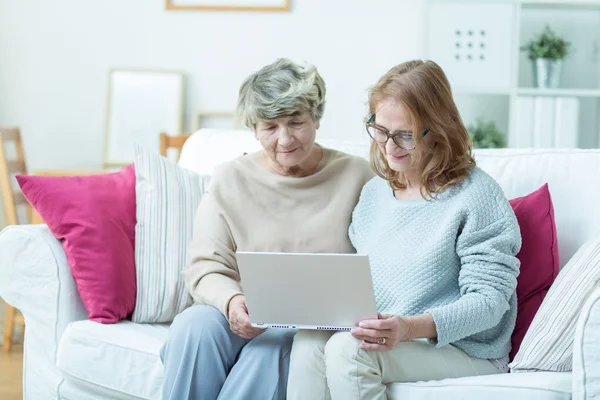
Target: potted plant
547,51
486,135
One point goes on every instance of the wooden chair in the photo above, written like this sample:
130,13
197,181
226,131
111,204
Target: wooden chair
172,142
11,200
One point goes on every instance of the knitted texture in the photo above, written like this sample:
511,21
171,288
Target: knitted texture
452,256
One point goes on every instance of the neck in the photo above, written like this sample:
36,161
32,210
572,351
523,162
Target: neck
413,187
305,168
412,178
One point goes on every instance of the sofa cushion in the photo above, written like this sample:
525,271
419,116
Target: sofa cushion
538,257
167,198
548,344
122,361
533,385
94,218
122,358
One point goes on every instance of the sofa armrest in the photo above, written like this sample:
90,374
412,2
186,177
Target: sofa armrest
36,279
586,351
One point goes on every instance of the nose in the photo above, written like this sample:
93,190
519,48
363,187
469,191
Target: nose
285,139
391,146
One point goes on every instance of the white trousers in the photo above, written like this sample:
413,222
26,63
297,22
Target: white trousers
327,365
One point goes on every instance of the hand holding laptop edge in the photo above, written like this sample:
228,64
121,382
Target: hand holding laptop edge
239,320
387,330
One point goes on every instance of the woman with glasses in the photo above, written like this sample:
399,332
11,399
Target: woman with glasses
441,239
292,196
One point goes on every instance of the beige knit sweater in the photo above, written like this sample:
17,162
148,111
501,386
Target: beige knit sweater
249,208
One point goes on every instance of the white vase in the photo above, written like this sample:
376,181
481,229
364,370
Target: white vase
546,73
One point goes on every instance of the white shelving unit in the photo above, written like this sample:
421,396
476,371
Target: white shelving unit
559,92
478,43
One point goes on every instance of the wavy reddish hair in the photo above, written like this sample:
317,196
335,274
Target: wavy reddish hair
445,157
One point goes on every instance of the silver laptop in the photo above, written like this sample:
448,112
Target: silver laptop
307,291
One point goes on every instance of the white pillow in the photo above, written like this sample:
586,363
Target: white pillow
167,197
548,343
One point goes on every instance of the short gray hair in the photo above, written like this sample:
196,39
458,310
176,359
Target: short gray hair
282,88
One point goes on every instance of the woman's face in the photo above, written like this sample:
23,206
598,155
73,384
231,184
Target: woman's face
288,140
393,118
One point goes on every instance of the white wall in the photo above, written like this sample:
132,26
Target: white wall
55,56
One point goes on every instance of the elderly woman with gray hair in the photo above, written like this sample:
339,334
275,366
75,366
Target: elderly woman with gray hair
293,196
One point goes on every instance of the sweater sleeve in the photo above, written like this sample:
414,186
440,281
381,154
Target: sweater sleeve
488,274
211,275
358,225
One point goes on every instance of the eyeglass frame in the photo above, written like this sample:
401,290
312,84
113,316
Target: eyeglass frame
388,134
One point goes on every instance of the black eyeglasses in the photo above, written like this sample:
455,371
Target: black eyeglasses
403,139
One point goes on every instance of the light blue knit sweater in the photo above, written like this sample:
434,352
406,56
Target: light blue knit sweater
452,257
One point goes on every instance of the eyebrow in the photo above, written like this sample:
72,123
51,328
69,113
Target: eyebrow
387,130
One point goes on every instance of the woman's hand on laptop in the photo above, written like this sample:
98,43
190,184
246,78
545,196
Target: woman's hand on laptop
382,334
239,320
385,332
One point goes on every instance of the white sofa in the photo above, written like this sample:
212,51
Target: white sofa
68,357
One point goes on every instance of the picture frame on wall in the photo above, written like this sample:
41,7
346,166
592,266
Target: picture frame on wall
228,5
216,119
140,105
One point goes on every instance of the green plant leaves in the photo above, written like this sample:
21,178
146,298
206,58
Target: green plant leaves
486,135
547,45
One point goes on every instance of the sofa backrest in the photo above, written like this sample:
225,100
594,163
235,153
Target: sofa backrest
573,176
207,148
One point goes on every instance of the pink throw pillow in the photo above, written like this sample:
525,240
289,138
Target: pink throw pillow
538,256
94,218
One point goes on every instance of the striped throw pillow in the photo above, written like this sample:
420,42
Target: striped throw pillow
166,198
548,343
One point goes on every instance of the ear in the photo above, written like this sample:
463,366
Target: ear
318,124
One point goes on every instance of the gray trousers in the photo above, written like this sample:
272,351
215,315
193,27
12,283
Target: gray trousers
204,360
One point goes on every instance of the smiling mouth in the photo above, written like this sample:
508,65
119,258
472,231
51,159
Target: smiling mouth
288,152
398,157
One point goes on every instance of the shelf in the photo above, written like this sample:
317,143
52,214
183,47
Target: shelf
561,3
527,92
481,91
564,2
559,92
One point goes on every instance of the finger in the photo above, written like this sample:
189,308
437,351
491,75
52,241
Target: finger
233,324
243,317
244,335
243,306
249,334
246,325
237,324
250,328
374,347
240,319
245,331
378,324
256,332
371,333
366,339
239,332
